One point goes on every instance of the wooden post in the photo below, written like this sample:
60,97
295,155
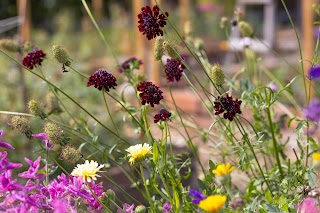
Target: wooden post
308,37
184,12
24,14
139,38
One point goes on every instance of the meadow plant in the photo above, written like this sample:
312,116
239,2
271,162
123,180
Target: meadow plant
248,164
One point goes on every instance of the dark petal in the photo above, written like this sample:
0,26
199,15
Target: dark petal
314,72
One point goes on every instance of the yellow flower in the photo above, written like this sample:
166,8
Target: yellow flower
138,152
88,171
212,203
316,157
223,169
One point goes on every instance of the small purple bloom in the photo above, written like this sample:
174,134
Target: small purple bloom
273,87
198,196
32,172
5,164
127,208
313,111
166,208
4,144
45,140
314,72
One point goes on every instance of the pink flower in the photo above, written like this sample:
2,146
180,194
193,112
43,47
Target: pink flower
309,205
4,144
32,172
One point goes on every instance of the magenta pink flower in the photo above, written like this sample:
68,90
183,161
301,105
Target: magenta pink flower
4,144
32,172
309,205
45,139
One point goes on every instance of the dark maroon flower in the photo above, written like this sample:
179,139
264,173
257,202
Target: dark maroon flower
174,69
163,115
131,63
149,93
227,105
151,21
35,57
102,79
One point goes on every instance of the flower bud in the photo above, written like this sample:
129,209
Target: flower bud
22,124
110,194
224,22
245,29
54,133
52,103
10,45
70,154
60,55
36,109
171,49
158,48
140,209
217,75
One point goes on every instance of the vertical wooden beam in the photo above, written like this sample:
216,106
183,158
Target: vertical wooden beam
139,38
97,9
24,14
184,12
308,36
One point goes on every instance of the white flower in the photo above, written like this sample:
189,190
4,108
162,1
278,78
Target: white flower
138,152
88,171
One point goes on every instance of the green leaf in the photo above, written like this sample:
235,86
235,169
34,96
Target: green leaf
273,209
312,178
268,196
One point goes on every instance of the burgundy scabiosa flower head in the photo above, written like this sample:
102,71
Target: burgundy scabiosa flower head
102,79
149,93
35,57
173,69
131,63
151,21
163,115
228,106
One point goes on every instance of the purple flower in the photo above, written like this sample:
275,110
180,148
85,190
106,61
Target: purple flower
132,63
174,69
163,115
35,57
5,164
32,172
7,184
198,196
45,139
151,21
149,93
314,72
309,205
127,208
228,106
102,79
166,208
273,87
59,206
4,144
313,111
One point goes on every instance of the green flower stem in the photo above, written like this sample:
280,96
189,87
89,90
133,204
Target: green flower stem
107,106
99,31
275,144
153,208
253,152
95,196
65,94
57,163
79,73
60,101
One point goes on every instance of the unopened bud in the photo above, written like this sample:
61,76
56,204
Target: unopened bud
171,49
52,103
60,55
70,154
217,75
10,45
245,29
110,194
140,209
35,108
54,133
158,48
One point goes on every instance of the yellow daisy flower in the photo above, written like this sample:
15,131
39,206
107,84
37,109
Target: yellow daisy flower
223,169
316,157
88,171
212,203
138,152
